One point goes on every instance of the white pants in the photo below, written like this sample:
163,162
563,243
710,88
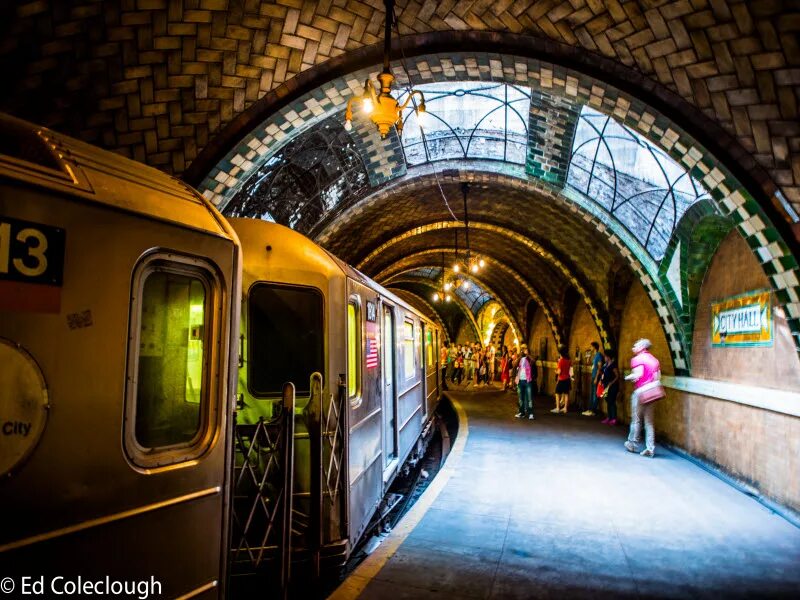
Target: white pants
639,413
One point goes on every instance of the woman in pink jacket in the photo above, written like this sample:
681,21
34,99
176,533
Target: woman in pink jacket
645,370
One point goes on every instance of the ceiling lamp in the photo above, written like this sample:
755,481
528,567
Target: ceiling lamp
472,264
381,106
443,293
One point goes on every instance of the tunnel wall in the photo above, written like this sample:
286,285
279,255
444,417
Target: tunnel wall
755,445
582,333
540,330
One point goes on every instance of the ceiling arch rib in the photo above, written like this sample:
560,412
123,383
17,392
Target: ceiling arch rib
770,239
406,276
421,304
404,255
596,225
494,263
428,283
487,245
595,308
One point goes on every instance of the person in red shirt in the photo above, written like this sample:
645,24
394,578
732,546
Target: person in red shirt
564,384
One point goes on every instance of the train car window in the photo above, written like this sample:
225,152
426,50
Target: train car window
408,350
429,347
168,402
353,350
285,338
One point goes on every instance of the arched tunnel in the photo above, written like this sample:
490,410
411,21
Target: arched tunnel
599,172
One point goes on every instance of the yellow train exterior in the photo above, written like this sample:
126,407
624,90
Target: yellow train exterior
118,313
124,369
304,311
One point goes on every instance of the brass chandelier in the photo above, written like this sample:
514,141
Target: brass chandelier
381,107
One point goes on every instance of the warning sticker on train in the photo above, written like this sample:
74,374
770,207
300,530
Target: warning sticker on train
31,265
23,405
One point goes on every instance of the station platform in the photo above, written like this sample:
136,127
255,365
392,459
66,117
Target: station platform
556,508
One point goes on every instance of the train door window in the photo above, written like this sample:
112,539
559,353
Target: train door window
286,339
353,351
408,349
429,347
168,399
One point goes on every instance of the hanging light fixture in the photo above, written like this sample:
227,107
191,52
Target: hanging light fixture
381,107
443,293
472,264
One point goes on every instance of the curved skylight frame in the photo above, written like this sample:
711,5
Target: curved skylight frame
474,297
445,139
659,190
305,179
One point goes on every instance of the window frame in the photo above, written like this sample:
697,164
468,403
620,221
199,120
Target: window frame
356,398
261,395
206,272
409,376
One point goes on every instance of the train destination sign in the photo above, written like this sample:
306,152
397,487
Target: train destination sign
23,406
31,266
744,320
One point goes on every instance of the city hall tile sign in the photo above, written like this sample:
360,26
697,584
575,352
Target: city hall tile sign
744,320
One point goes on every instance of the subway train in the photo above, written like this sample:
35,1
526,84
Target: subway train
145,344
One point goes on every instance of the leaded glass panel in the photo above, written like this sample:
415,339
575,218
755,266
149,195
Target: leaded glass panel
309,176
469,119
638,183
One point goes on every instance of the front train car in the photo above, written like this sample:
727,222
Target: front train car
306,312
117,318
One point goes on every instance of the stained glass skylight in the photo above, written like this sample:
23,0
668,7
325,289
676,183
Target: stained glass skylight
645,189
469,119
306,178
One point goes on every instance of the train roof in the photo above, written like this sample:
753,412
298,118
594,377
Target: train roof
297,253
40,157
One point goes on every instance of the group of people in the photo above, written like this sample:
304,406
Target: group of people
470,363
518,372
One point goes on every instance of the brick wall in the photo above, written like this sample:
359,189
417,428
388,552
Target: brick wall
541,330
758,446
734,271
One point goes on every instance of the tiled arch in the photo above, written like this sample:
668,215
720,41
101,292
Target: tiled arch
595,308
388,273
408,278
515,325
731,199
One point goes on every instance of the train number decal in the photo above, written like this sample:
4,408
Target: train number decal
31,252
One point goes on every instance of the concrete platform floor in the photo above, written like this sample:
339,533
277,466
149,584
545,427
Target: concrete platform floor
556,508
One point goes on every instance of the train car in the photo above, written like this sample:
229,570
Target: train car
305,312
119,291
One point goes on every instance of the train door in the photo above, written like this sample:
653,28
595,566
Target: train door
389,401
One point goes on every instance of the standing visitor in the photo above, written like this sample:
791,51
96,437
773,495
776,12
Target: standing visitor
563,384
443,364
610,380
523,380
597,366
490,351
505,367
646,375
469,360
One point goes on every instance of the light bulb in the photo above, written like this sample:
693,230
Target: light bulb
482,263
475,268
368,106
423,120
456,268
447,286
465,285
435,297
447,298
348,125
